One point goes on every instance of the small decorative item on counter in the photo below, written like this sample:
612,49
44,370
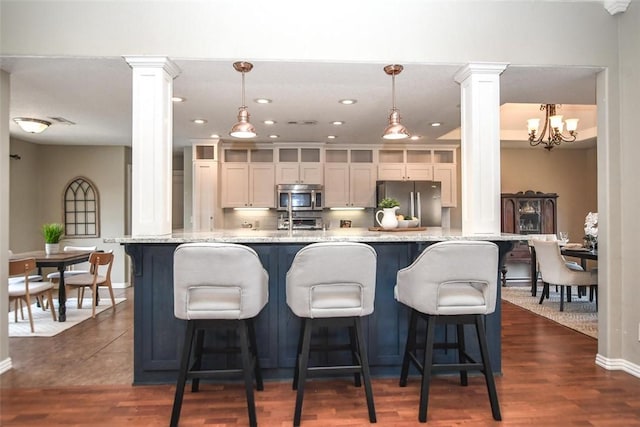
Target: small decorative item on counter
591,230
345,223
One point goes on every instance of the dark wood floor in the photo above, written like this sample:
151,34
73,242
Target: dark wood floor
82,378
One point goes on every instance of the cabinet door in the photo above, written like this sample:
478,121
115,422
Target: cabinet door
391,171
419,172
262,190
204,194
362,185
446,175
336,185
311,173
287,173
549,225
235,185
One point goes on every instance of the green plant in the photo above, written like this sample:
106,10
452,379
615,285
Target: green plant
388,202
52,232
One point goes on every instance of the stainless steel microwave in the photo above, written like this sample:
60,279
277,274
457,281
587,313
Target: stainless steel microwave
304,197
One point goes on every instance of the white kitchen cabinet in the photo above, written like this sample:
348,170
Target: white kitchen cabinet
422,164
350,178
206,213
248,178
299,165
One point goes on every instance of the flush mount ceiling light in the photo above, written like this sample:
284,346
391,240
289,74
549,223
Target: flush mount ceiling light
243,129
394,130
553,122
30,125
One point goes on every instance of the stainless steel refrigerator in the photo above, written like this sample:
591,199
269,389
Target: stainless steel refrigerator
417,198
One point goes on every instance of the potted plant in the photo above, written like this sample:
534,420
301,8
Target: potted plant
389,206
52,233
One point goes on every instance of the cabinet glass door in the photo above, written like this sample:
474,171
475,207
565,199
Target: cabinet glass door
530,222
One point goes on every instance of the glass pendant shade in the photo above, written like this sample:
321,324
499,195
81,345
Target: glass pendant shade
32,125
243,129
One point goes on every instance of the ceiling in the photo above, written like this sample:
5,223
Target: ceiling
95,94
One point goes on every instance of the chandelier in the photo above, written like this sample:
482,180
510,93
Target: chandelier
554,124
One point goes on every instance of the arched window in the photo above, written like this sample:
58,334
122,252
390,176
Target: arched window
81,209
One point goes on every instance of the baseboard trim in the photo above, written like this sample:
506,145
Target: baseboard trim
121,285
5,365
618,365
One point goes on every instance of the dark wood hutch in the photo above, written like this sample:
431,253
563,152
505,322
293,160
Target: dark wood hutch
528,212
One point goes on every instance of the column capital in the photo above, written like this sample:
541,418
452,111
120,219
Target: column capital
154,62
479,68
616,6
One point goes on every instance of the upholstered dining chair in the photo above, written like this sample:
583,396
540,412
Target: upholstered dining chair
99,275
24,289
554,271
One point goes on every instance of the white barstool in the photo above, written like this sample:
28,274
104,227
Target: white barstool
218,285
452,282
332,284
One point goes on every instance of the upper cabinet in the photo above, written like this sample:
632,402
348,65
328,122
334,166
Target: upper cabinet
297,165
422,164
205,195
248,178
350,178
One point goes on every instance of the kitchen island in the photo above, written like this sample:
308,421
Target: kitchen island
158,335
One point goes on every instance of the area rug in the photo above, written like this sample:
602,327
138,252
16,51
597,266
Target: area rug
43,322
579,314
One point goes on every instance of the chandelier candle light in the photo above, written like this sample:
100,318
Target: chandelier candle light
394,130
243,129
553,122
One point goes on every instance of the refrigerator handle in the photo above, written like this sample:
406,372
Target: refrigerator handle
419,209
413,210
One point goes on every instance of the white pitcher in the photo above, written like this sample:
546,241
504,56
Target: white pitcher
389,219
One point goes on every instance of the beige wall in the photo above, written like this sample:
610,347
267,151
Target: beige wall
37,184
570,173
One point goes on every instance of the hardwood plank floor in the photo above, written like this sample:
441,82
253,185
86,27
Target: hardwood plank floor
83,377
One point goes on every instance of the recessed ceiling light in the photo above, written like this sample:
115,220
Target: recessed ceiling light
199,121
274,136
436,124
214,135
269,122
178,99
348,101
331,137
337,123
415,137
262,101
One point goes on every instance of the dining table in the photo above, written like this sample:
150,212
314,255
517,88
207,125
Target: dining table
60,261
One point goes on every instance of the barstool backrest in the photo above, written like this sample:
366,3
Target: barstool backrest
332,279
447,278
218,281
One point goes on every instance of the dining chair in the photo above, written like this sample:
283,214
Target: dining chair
554,271
99,275
25,289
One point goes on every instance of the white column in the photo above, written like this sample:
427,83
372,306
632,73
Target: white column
480,146
152,141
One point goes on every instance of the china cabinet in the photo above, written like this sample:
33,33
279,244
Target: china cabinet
528,212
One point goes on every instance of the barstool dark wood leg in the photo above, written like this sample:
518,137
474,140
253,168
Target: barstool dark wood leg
302,369
247,371
488,372
426,368
353,342
409,347
462,358
197,363
294,385
364,363
254,354
182,375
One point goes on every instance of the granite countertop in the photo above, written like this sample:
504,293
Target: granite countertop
431,234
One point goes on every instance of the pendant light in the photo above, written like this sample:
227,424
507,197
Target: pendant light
243,129
394,130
